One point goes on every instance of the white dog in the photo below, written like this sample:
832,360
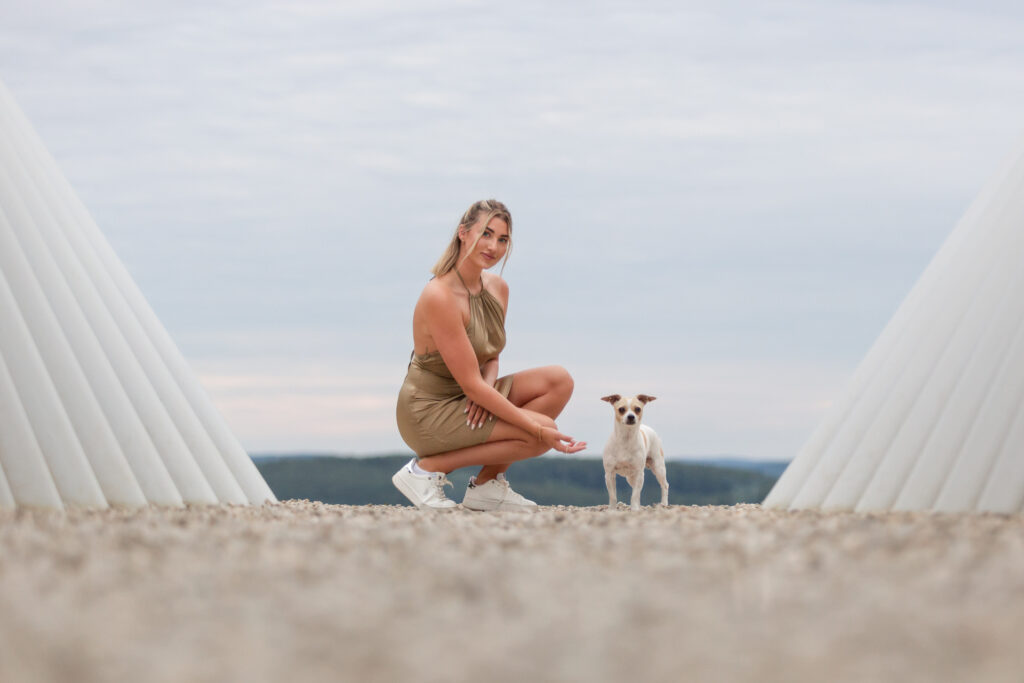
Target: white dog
632,447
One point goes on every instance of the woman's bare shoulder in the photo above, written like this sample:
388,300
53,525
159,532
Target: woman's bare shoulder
436,293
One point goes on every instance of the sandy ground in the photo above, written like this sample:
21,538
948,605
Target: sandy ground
305,591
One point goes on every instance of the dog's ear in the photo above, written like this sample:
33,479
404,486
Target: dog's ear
644,398
614,398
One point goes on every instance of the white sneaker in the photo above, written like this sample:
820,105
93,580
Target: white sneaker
495,495
423,490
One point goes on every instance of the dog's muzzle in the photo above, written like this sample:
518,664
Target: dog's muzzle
630,419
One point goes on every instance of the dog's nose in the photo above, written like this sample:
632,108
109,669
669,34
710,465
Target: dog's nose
630,419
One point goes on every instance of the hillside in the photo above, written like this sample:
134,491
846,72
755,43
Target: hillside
547,480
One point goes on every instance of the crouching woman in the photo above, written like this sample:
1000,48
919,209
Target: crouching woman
453,409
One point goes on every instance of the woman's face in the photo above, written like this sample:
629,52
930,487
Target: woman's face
491,246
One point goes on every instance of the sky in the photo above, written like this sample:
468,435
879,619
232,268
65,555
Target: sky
717,203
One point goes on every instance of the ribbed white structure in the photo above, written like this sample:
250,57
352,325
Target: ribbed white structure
933,418
97,405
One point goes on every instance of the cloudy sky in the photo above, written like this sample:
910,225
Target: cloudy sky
719,203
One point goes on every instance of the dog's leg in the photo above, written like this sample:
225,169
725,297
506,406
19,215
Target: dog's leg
609,481
637,482
658,467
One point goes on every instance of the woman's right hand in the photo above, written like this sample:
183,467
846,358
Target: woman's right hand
560,442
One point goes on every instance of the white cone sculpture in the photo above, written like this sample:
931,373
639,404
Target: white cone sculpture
933,418
97,405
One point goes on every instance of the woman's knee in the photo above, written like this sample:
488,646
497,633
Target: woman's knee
560,383
564,380
557,379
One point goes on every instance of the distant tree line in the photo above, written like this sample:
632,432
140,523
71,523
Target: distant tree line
547,480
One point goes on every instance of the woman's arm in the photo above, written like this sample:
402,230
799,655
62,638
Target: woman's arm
477,414
449,334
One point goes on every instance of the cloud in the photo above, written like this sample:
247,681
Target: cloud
280,177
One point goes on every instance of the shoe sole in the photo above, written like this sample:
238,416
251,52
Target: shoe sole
408,493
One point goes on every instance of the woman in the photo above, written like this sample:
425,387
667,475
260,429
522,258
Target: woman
453,409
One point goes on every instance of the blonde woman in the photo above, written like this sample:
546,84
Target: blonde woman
453,409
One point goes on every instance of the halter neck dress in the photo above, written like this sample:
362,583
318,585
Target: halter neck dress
431,403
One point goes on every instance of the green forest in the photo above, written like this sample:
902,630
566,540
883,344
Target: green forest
547,480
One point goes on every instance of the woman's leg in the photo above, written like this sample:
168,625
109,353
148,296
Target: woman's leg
505,445
541,391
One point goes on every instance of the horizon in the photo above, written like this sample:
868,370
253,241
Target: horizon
586,455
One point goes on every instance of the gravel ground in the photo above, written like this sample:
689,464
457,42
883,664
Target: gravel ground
384,593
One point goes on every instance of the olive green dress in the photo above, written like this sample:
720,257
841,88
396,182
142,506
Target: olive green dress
431,404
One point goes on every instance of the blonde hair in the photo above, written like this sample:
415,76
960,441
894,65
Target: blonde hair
485,209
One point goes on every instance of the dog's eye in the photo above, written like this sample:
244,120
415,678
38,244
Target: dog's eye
636,410
621,411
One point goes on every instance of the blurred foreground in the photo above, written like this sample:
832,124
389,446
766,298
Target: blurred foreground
307,591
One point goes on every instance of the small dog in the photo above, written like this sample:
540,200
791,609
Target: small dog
631,447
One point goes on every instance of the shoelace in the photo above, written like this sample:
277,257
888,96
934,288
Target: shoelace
440,482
